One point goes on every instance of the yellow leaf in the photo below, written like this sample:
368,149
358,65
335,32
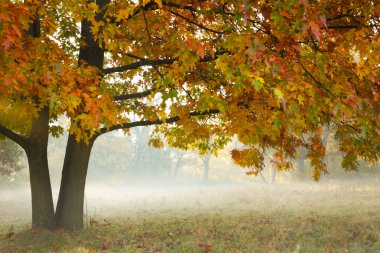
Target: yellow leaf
300,99
93,6
260,79
279,93
123,14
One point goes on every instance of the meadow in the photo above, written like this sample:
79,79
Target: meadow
329,216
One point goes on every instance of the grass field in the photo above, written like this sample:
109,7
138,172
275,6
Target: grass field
315,217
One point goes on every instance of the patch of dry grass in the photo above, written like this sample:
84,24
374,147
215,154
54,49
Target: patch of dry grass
245,232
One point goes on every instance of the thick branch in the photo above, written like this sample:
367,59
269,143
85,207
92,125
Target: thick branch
19,139
170,120
138,64
152,63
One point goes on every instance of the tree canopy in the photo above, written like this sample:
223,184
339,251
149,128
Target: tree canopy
272,73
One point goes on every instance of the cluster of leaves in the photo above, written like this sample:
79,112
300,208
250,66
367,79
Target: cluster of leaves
274,72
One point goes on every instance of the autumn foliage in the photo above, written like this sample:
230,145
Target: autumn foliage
272,73
275,71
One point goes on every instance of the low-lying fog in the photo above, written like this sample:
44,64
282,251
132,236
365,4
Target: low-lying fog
129,179
106,201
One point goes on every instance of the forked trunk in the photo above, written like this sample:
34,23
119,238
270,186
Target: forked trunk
69,212
36,151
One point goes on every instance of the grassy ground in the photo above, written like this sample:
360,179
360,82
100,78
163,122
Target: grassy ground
318,218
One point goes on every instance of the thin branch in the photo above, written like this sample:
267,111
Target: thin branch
134,56
170,120
146,28
158,72
350,26
327,135
187,92
19,139
318,83
354,130
134,95
139,64
196,20
196,24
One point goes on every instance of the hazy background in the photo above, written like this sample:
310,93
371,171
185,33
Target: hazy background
126,177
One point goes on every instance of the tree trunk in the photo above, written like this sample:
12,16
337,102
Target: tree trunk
301,161
274,173
177,165
69,212
36,151
206,163
262,177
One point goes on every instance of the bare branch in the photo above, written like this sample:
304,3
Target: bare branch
350,26
170,120
134,56
196,24
187,92
152,63
19,139
138,64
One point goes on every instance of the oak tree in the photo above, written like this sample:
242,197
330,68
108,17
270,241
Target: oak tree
272,73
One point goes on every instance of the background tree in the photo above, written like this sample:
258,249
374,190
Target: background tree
148,159
206,164
10,158
178,157
274,72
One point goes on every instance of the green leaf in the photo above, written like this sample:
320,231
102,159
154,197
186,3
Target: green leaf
278,93
258,83
58,66
277,123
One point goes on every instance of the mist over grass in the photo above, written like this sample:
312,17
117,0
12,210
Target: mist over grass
328,216
111,201
142,205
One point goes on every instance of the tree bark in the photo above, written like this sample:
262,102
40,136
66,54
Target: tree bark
36,151
69,212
